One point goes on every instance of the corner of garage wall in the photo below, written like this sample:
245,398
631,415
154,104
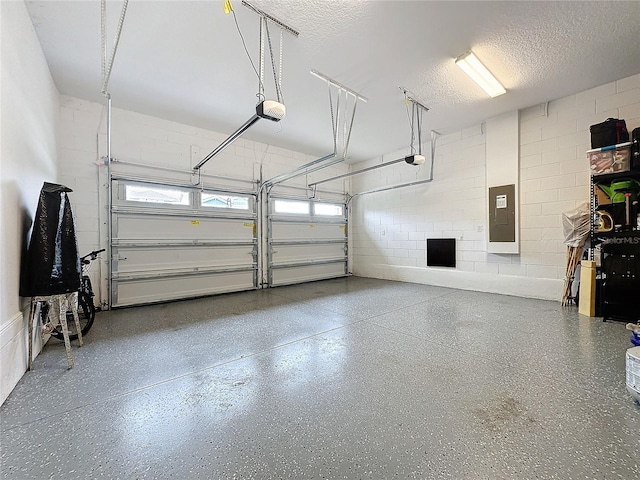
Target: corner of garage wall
29,103
390,229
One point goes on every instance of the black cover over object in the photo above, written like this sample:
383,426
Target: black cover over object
610,132
52,264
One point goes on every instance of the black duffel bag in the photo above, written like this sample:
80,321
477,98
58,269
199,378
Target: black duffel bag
610,132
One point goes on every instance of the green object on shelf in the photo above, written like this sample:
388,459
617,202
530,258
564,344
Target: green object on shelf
617,189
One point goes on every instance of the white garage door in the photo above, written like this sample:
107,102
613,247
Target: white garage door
172,241
307,240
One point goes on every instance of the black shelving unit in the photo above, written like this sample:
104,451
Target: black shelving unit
619,273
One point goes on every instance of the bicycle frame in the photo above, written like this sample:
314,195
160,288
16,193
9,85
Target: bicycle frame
85,281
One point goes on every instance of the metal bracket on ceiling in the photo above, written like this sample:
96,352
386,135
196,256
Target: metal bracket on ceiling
339,85
411,98
415,118
349,116
266,16
107,67
414,115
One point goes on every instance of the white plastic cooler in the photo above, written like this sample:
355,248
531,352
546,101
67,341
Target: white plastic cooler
633,372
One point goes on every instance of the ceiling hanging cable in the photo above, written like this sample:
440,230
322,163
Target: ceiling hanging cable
267,109
347,123
304,169
332,158
419,121
244,44
410,117
280,66
417,109
261,78
273,65
415,121
406,107
434,137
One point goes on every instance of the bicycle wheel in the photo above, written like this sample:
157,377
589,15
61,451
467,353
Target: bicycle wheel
86,315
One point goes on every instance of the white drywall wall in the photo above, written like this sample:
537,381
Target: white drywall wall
389,229
29,102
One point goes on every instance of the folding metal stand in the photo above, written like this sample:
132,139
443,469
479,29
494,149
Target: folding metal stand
58,304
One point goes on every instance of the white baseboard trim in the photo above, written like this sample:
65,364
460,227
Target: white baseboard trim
10,329
13,354
529,287
13,351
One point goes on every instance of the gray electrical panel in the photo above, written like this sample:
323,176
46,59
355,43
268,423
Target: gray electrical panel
502,213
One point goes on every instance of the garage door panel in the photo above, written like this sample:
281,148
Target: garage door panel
307,231
299,253
140,226
135,292
135,259
179,241
307,240
285,276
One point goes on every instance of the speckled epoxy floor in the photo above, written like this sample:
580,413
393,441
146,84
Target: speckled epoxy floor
347,378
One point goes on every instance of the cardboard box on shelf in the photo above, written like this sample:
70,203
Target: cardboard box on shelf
603,198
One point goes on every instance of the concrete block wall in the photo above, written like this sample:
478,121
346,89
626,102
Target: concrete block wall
154,142
389,228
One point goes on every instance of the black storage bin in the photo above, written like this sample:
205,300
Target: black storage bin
610,132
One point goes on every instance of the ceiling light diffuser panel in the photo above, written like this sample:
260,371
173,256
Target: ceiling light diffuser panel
473,67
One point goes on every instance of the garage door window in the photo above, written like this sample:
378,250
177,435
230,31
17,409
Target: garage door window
291,206
154,194
221,200
328,209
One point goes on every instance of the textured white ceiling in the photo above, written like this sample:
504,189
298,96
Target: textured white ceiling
184,61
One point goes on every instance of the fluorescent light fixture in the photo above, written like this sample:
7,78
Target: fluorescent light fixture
470,64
